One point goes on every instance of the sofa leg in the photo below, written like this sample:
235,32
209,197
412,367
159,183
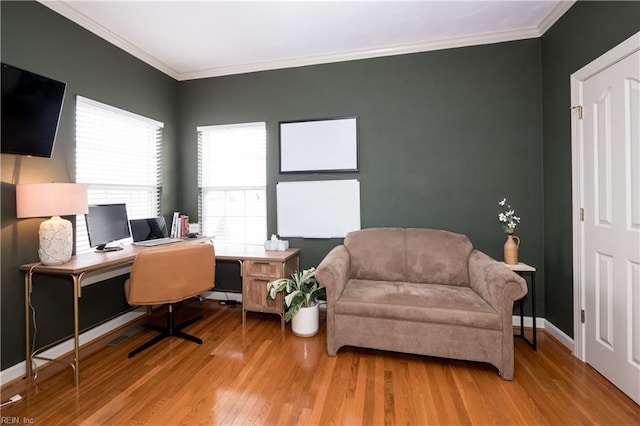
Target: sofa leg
505,376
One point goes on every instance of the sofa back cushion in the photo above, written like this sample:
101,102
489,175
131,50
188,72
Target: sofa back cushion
376,254
414,255
437,257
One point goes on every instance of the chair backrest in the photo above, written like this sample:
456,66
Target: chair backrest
171,274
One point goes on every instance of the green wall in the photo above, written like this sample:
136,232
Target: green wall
444,136
39,40
585,32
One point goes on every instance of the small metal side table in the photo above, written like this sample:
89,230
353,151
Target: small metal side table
522,269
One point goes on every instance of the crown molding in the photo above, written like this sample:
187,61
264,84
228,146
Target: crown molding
65,9
353,55
555,14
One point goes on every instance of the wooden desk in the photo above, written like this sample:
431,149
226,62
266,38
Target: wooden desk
258,267
253,260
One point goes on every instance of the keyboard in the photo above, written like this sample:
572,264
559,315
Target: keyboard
157,242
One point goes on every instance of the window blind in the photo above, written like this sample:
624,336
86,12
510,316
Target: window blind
119,154
232,178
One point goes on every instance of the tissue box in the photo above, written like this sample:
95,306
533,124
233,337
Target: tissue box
277,245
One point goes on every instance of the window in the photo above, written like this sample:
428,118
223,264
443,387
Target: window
118,154
232,176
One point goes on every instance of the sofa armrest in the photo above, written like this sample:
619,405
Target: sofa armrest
495,283
499,287
333,271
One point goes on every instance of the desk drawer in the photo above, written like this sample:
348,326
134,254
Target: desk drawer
262,268
256,273
255,297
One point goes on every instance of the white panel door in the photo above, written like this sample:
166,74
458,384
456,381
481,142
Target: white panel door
611,179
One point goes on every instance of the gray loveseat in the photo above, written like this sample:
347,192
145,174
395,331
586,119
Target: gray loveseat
421,291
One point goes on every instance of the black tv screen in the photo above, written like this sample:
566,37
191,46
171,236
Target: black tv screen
107,223
31,108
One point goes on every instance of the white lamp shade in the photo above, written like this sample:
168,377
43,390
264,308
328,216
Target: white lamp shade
50,199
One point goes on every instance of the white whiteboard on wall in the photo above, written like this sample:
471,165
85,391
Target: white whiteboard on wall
319,145
318,209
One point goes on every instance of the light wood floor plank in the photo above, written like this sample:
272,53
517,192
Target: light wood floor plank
257,375
355,398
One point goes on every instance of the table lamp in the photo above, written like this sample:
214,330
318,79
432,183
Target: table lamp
52,199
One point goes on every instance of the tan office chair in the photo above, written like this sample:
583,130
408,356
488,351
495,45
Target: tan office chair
169,275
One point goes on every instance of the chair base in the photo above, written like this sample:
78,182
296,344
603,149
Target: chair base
169,330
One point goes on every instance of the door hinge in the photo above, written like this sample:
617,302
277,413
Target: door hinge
582,214
583,316
579,108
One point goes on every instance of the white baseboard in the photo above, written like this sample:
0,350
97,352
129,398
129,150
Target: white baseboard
542,324
560,336
221,295
20,369
528,322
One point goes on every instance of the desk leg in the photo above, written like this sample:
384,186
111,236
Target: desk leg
27,326
76,330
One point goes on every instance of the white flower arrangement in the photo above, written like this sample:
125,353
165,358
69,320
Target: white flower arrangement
508,218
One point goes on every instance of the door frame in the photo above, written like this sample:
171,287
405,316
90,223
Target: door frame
624,49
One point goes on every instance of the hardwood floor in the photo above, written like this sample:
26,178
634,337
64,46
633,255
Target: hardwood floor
257,375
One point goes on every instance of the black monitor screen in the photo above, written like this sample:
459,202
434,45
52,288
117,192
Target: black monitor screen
31,107
107,223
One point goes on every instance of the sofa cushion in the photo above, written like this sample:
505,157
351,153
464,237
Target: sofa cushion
412,254
406,301
377,254
436,256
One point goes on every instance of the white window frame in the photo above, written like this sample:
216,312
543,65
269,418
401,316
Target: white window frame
119,155
232,203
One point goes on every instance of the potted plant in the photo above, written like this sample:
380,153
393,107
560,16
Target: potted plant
301,293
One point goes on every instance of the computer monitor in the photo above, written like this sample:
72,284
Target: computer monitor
148,229
107,223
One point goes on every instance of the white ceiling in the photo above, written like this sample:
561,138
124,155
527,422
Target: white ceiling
198,39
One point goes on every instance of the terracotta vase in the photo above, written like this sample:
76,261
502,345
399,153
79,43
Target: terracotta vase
511,250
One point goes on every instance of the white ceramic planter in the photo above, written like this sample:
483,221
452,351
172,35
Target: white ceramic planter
306,322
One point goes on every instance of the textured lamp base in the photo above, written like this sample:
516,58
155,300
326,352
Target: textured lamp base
56,241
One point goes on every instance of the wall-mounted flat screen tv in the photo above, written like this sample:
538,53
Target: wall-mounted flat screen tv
31,107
